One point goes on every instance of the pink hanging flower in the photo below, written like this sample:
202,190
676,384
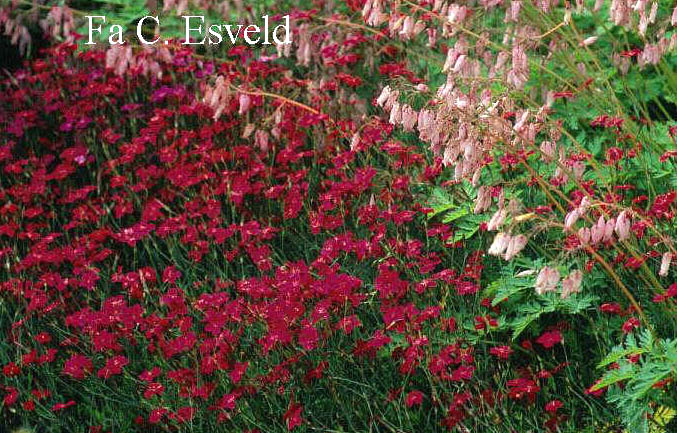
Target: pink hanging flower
666,260
500,243
515,246
547,280
572,284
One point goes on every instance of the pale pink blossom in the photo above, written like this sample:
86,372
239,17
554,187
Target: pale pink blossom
58,23
651,55
620,12
571,218
622,228
432,37
497,220
180,5
654,11
516,244
383,97
483,199
666,260
597,231
245,102
519,74
578,168
609,230
407,29
584,236
500,244
217,96
512,12
547,280
589,41
572,284
409,118
119,58
456,13
261,138
303,51
548,151
395,114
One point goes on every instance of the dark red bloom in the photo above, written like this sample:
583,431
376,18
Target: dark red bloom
414,398
293,415
553,405
549,339
61,406
78,366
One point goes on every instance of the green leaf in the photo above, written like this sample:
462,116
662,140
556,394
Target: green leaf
619,354
507,287
522,323
456,214
614,376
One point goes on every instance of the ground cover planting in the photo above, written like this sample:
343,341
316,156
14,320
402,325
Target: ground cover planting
417,216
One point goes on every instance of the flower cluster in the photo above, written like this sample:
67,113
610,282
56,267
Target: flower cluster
331,237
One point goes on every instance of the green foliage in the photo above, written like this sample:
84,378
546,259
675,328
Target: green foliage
642,364
457,212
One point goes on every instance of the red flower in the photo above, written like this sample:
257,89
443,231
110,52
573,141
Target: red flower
293,415
113,367
77,367
349,80
347,324
11,370
630,324
521,388
238,372
308,337
11,397
61,406
184,414
502,352
293,202
553,405
153,389
613,308
170,275
414,398
150,375
613,155
549,339
43,338
156,415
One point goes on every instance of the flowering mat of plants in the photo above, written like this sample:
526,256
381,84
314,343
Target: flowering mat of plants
419,216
